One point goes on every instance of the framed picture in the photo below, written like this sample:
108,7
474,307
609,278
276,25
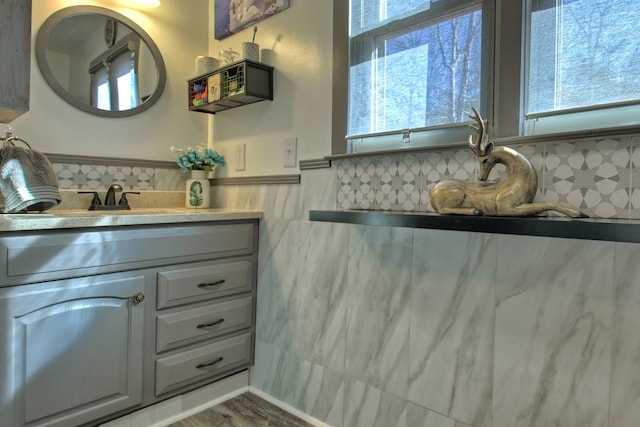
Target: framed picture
235,15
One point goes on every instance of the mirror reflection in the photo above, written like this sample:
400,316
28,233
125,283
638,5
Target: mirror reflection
100,61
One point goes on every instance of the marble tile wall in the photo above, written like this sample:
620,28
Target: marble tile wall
364,326
553,336
599,176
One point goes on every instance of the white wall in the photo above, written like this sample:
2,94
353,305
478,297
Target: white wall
180,29
297,42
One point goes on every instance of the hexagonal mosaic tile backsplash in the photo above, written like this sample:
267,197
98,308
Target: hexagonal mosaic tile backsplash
89,177
95,177
600,176
596,175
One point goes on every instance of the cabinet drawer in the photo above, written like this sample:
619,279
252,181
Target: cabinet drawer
202,282
201,323
200,363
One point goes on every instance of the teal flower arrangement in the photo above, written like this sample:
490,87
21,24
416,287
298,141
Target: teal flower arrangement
199,158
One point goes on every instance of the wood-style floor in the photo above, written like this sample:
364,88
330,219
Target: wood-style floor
246,410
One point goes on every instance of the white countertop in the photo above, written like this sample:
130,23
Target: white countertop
55,219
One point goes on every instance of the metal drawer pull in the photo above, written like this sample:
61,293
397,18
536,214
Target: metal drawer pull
209,285
209,325
210,364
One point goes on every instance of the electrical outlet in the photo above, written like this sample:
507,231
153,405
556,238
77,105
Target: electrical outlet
240,157
290,152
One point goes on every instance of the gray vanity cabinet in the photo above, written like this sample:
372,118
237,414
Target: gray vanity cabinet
99,322
72,349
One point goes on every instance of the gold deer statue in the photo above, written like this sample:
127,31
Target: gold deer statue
510,197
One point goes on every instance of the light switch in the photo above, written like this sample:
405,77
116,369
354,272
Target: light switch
290,152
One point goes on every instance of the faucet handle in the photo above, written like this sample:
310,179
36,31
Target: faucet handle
123,199
95,202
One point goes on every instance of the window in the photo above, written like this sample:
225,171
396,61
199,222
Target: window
416,67
582,57
100,90
414,64
114,77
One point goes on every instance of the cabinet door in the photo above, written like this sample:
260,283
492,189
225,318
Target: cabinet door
72,350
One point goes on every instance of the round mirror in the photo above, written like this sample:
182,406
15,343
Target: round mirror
100,61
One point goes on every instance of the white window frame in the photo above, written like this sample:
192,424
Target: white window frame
570,119
432,136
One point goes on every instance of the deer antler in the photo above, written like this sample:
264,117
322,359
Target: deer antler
479,138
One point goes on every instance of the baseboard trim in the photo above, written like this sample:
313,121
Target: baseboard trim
179,407
192,411
290,409
220,392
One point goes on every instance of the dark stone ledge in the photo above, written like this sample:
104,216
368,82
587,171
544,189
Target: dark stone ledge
563,227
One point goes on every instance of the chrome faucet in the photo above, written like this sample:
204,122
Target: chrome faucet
109,199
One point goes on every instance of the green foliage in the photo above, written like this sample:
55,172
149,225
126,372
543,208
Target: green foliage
200,158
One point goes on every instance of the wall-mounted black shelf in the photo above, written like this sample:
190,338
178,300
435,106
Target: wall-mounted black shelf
552,226
231,86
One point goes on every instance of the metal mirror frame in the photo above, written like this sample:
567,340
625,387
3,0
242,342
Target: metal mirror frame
41,58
